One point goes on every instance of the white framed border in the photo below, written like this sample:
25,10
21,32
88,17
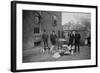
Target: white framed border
22,66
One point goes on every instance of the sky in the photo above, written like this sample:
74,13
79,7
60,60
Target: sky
74,17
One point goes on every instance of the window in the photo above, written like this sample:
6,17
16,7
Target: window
36,30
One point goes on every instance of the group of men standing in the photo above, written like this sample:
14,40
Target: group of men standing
45,38
74,39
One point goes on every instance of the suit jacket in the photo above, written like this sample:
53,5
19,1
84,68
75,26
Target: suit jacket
77,38
44,37
71,38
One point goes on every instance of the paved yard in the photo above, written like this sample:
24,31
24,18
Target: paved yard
36,55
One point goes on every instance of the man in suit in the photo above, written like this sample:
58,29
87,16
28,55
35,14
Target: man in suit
77,41
89,40
71,39
53,39
45,40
